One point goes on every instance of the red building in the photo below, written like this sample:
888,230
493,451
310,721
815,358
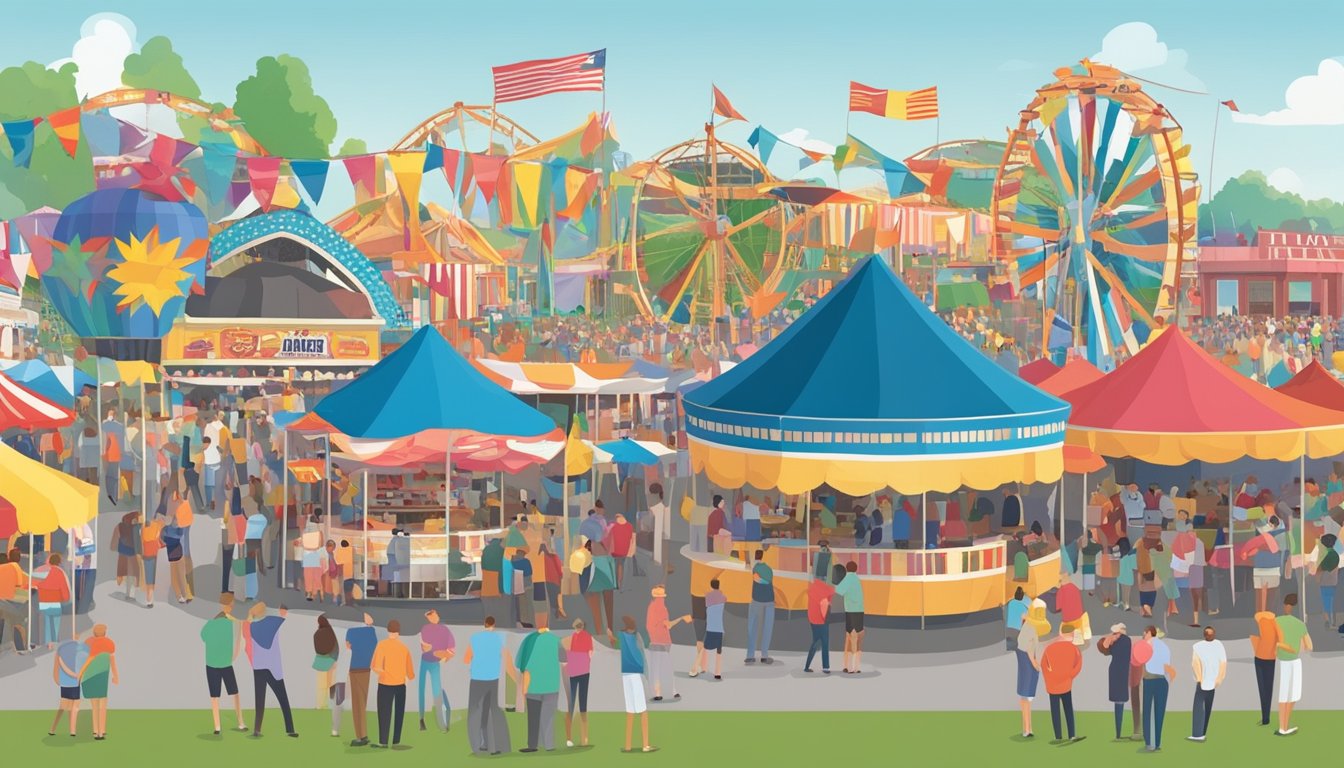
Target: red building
1281,273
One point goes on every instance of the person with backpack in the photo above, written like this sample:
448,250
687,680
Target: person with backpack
173,535
1325,566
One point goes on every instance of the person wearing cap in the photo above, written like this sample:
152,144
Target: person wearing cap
1118,646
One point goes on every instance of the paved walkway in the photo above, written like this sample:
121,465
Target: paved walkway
957,665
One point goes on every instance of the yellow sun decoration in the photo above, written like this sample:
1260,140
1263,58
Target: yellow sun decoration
149,273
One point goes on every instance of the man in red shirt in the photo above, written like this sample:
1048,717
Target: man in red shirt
621,542
1060,664
717,520
819,595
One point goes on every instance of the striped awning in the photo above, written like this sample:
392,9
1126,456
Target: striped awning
24,409
570,378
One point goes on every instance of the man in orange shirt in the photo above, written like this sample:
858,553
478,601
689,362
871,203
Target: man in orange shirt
1060,664
393,665
1265,642
14,614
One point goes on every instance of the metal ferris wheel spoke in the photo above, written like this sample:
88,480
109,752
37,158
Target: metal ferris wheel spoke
1119,287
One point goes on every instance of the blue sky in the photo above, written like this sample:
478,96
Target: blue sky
384,66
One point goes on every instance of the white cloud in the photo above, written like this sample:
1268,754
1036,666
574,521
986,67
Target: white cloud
1310,100
106,39
798,137
1285,180
1133,47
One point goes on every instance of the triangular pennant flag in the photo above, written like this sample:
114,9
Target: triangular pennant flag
723,107
433,157
763,142
262,175
408,170
218,162
312,174
363,170
580,184
486,170
452,161
592,136
527,181
505,198
20,135
66,125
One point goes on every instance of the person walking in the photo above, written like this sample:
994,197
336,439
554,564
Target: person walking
487,656
326,652
220,636
93,677
539,664
552,572
715,601
601,590
1209,661
268,671
15,591
1061,661
761,611
1118,647
1293,640
1014,614
53,592
151,537
1265,643
658,627
1158,673
578,666
632,684
173,536
851,589
819,595
361,642
621,542
1324,565
1030,642
437,645
393,665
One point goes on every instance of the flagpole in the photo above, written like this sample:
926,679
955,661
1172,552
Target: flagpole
1213,147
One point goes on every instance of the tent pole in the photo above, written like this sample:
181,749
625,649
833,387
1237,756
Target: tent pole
98,419
447,521
31,556
806,499
328,508
70,558
1302,523
284,509
1231,546
924,550
1059,515
144,454
365,521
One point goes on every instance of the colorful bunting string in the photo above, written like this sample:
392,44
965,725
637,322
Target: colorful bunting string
20,135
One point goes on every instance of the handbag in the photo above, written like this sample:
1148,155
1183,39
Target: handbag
323,663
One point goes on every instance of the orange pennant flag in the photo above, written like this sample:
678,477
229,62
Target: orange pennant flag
723,107
66,125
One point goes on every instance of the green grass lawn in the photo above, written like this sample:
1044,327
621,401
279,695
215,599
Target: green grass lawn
684,739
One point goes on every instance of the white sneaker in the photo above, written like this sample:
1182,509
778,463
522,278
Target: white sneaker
569,743
1194,738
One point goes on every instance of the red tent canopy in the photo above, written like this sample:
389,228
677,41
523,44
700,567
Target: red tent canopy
22,408
1075,373
9,519
1037,370
1172,403
1313,384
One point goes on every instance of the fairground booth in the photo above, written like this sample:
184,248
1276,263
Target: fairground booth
869,406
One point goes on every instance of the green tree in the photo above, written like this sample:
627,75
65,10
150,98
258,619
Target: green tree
53,178
282,111
1248,203
353,146
158,67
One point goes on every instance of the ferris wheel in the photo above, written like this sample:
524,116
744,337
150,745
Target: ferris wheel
706,238
1095,204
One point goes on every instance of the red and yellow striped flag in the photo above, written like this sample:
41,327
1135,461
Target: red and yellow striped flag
897,105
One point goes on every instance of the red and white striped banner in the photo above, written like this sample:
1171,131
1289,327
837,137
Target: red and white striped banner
457,284
21,408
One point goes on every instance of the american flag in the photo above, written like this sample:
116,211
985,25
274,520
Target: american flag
530,79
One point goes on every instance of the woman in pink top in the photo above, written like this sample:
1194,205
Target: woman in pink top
578,663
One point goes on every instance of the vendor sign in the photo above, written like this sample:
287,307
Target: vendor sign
295,345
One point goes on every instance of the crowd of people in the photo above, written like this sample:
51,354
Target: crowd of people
1256,345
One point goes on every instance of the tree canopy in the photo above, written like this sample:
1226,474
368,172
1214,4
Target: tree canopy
282,111
1248,203
53,177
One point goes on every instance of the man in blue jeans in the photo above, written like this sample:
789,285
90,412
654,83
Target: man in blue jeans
436,646
1157,676
819,594
761,612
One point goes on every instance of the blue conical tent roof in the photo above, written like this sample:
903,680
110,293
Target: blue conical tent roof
425,384
870,350
870,374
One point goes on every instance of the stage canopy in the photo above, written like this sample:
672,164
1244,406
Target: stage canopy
871,390
425,399
1172,403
